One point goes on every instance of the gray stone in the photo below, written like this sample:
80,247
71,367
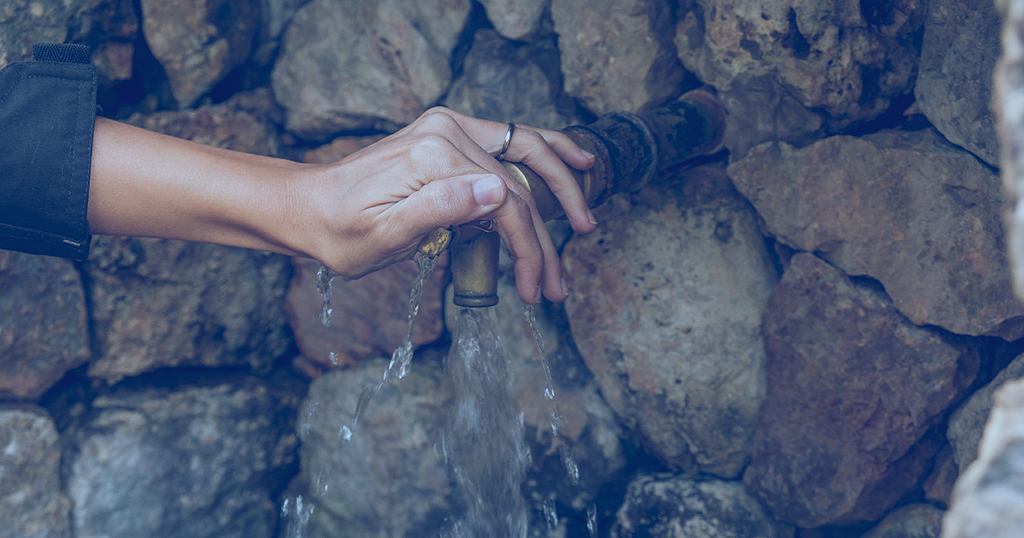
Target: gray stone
954,84
276,14
667,302
988,500
617,55
32,501
198,42
387,480
840,61
509,82
853,389
518,20
967,423
198,461
910,521
938,487
354,65
369,316
905,208
160,302
43,329
26,22
676,507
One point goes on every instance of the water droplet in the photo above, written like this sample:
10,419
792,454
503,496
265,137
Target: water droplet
334,358
549,392
550,514
592,520
345,434
322,483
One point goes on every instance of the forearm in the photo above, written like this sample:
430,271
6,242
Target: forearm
147,184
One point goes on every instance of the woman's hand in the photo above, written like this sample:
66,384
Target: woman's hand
366,211
378,204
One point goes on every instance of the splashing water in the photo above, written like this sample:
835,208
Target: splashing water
295,516
324,277
402,356
592,520
549,392
484,442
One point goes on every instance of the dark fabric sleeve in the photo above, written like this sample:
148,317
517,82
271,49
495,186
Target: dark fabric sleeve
47,115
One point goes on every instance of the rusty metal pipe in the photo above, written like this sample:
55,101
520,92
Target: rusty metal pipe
629,150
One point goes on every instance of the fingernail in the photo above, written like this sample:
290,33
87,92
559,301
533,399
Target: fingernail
588,154
487,190
590,215
565,287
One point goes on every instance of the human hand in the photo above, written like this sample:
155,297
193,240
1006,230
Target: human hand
375,207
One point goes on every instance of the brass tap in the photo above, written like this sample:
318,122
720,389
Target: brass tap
629,149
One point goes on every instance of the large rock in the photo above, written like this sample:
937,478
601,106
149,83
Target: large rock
354,65
518,20
667,302
910,521
828,63
617,55
199,461
369,316
160,302
905,208
988,500
967,423
24,23
666,505
387,480
511,82
954,84
852,390
44,328
198,42
32,501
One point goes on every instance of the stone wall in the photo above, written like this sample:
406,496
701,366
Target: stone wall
801,335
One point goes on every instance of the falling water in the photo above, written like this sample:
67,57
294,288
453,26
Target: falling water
484,444
295,516
324,278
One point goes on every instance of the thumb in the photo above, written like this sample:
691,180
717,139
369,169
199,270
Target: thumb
454,200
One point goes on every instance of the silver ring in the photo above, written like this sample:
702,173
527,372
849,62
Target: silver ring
508,141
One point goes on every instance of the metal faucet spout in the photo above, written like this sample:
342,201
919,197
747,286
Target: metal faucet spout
629,150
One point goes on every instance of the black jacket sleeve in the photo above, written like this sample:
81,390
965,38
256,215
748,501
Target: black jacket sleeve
47,115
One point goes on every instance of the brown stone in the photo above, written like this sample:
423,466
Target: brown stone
354,65
852,390
666,305
24,23
43,328
160,302
617,55
198,42
518,20
32,500
954,85
938,487
831,63
910,521
370,316
905,208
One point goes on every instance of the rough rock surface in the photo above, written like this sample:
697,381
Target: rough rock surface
518,20
369,316
954,85
511,82
988,498
617,55
159,302
910,521
938,487
26,22
967,423
200,461
840,61
852,390
354,65
667,302
243,123
198,42
43,328
386,481
667,505
32,501
905,208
